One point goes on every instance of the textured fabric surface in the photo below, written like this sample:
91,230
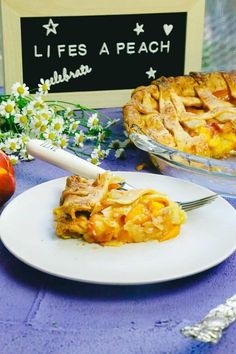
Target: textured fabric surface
40,313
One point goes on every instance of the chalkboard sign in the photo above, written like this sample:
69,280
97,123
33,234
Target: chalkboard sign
97,59
90,53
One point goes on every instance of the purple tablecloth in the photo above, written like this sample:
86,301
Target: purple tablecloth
40,313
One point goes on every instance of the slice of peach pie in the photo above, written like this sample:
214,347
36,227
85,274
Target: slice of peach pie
194,113
99,211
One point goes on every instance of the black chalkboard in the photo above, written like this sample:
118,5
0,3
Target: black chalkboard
102,52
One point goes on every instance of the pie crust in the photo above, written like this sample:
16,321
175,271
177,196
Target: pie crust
100,212
195,113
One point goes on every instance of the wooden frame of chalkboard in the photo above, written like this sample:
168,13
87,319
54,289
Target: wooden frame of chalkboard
96,53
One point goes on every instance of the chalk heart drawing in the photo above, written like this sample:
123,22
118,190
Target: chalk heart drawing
168,29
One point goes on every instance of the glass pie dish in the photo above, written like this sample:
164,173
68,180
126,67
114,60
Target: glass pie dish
215,174
188,125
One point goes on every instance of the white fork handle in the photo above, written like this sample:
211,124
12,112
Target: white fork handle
63,159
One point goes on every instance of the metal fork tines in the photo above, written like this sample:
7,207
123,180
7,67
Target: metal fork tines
186,206
194,204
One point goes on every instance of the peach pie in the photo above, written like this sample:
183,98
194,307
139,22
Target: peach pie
195,113
99,211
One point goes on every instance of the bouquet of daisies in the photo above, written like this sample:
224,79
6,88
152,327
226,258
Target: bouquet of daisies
85,131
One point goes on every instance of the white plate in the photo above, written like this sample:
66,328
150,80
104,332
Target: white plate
208,238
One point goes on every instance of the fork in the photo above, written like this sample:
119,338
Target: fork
45,151
197,203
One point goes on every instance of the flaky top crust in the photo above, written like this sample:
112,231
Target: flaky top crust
187,112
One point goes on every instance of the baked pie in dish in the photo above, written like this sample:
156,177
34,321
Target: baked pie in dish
100,212
195,113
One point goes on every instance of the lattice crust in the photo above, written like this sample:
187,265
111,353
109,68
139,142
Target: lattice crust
194,113
99,211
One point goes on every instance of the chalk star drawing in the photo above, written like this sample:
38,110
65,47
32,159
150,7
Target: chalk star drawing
51,27
138,29
151,73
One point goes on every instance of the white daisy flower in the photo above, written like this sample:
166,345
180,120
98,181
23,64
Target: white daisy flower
7,108
63,142
46,115
73,126
44,126
101,136
36,122
93,121
24,155
13,158
57,124
69,112
79,139
36,126
94,160
27,110
44,86
99,153
116,144
38,104
119,153
21,119
20,90
50,135
23,139
11,145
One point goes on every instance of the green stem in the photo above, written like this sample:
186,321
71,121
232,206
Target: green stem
56,105
11,125
33,90
60,101
78,153
28,98
82,108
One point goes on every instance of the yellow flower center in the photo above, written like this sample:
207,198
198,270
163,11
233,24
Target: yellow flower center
39,105
23,119
94,160
38,124
95,122
43,128
24,139
51,136
57,126
74,126
45,116
12,145
102,137
63,143
100,154
20,90
13,161
44,87
8,108
81,138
